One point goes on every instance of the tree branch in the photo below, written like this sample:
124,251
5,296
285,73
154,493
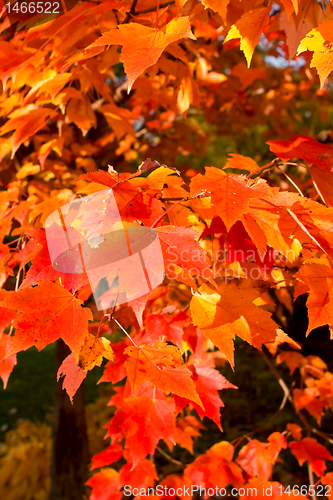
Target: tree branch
153,9
133,13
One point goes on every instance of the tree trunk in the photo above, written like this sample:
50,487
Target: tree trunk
70,445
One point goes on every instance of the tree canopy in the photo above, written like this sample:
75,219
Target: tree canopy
133,98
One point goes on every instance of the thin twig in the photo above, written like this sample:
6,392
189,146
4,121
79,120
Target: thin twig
259,170
294,216
318,191
186,198
168,457
132,11
322,435
291,181
311,480
168,210
279,379
128,335
303,418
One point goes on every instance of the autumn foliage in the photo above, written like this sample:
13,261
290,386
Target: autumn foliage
124,95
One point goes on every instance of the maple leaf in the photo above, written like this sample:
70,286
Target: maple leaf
295,430
230,194
106,457
180,248
143,421
80,112
322,181
186,430
93,350
249,29
208,383
74,375
216,468
180,483
240,162
41,268
229,311
46,313
162,365
142,476
257,458
292,359
268,222
317,275
219,6
297,26
302,146
6,318
142,46
26,125
167,325
242,248
308,398
290,6
105,485
309,450
327,479
115,370
6,365
320,41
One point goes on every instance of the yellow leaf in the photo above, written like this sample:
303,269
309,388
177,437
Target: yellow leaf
320,41
229,311
249,29
93,351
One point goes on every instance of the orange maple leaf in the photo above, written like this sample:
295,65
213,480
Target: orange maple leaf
257,458
26,125
302,146
317,275
162,365
215,467
46,313
249,29
143,421
309,450
229,311
6,365
230,194
142,46
73,375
